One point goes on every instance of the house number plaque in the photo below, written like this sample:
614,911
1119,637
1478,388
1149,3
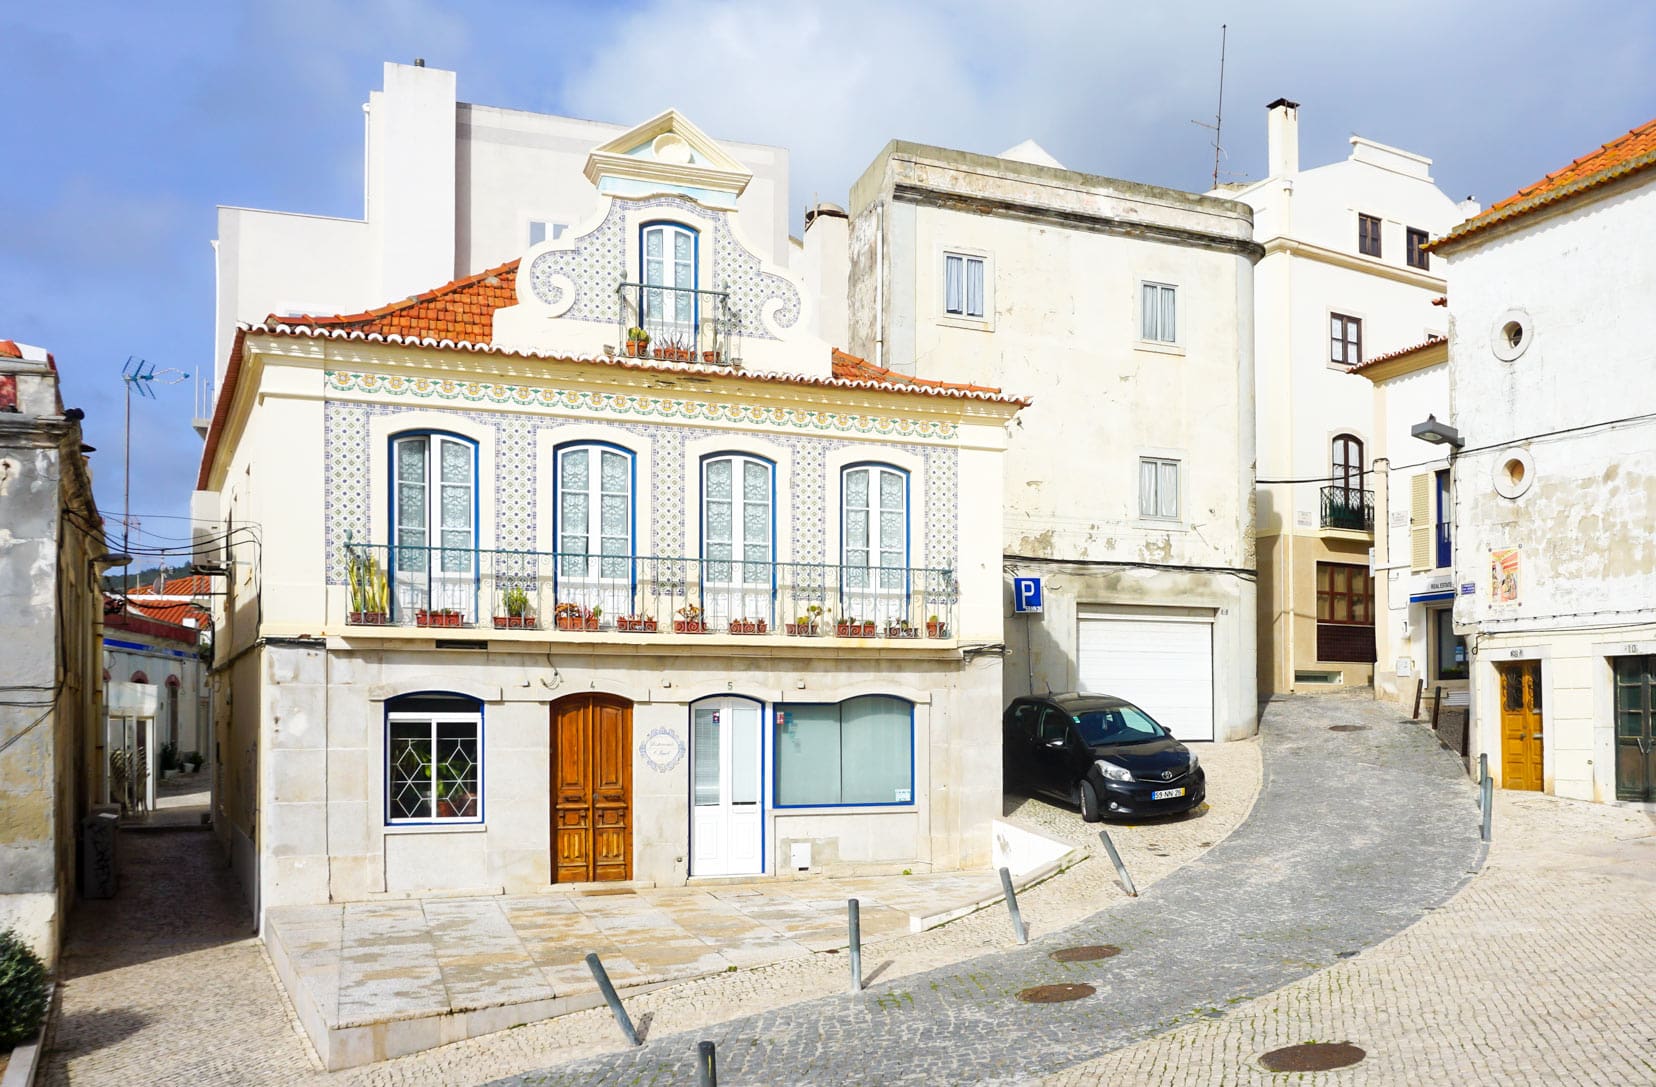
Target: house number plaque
661,750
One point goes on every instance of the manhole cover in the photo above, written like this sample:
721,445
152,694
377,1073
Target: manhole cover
1348,728
1311,1057
1090,953
1055,994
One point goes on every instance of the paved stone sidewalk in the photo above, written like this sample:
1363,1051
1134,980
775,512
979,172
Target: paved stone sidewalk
1540,972
165,985
1354,835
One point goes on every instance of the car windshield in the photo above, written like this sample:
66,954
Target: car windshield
1116,725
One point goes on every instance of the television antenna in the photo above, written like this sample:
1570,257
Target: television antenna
140,376
1219,114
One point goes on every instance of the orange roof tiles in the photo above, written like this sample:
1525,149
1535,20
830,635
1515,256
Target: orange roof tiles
848,367
10,350
461,311
1624,155
1428,343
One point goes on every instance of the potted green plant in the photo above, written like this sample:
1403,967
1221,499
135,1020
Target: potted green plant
437,617
516,602
902,628
370,598
747,626
635,624
572,616
689,620
638,342
936,628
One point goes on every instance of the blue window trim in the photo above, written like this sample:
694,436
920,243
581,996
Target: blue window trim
701,523
695,267
764,771
912,801
908,522
632,508
391,510
1442,542
389,708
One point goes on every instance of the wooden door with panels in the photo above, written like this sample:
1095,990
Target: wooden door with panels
1521,725
591,784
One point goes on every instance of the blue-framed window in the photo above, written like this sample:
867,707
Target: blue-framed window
668,258
434,521
595,510
856,752
1442,530
433,759
874,541
738,536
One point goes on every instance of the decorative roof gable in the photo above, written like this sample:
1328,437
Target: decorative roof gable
668,154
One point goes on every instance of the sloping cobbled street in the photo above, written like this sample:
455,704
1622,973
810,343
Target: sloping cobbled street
1355,835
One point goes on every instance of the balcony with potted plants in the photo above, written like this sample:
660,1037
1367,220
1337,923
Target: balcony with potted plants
677,324
555,596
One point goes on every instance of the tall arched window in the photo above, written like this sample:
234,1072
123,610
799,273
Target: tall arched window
874,541
668,271
434,522
738,504
1348,462
595,519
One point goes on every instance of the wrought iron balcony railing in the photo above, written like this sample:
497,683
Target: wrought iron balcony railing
677,324
1347,507
639,594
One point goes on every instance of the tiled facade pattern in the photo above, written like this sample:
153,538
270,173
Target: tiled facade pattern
596,262
349,492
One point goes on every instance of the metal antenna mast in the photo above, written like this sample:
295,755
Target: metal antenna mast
138,376
1219,116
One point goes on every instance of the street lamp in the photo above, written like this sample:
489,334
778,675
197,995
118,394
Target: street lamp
140,375
1437,433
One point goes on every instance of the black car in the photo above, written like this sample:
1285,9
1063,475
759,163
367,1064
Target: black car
1101,753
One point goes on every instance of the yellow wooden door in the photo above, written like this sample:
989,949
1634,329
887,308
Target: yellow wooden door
1521,725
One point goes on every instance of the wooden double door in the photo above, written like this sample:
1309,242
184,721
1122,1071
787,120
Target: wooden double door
591,789
1521,725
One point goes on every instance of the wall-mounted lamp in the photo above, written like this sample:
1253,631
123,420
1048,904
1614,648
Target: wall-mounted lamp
1437,433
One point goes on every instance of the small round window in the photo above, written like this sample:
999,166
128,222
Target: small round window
1514,471
1511,335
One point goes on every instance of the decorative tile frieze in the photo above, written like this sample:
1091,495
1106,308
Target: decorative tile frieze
620,405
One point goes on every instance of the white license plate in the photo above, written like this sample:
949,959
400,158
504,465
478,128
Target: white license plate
1166,794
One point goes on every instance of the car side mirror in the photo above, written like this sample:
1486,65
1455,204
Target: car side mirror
1056,743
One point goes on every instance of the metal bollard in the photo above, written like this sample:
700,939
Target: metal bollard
1012,907
1121,869
1488,803
614,1002
852,911
707,1068
1483,767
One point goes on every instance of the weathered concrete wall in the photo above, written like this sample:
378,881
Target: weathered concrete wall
49,673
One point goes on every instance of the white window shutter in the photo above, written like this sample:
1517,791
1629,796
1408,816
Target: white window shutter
1420,522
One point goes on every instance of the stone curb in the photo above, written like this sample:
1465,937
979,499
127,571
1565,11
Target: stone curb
25,1059
923,922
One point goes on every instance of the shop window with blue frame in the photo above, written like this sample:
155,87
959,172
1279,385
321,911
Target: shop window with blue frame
434,759
860,751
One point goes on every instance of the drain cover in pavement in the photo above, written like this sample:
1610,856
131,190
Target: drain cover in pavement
1089,953
1055,994
1311,1057
1348,728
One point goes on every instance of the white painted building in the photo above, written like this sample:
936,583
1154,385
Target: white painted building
540,601
1343,278
1126,311
1555,519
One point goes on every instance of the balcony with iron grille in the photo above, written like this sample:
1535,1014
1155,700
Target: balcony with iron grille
462,592
678,324
1347,509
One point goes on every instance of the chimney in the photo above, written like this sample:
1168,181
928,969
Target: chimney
1282,137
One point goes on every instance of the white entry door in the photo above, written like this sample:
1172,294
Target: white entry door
725,815
1163,665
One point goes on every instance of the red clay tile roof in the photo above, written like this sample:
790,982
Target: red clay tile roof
462,311
10,350
1427,344
1620,157
172,611
189,585
848,367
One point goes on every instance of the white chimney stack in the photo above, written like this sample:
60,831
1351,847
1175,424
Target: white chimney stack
1282,137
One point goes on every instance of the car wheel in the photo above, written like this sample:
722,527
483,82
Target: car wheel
1089,803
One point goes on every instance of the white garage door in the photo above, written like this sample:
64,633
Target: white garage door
1164,666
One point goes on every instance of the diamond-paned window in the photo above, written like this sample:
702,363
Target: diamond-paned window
434,762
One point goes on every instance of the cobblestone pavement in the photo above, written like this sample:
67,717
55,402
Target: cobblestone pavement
155,977
1355,834
1538,973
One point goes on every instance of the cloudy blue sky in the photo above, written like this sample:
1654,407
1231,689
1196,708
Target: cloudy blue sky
125,124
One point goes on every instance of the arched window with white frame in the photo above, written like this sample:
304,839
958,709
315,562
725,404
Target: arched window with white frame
434,525
738,538
874,543
595,526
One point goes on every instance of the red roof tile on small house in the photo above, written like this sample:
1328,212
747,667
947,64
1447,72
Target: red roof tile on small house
462,311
